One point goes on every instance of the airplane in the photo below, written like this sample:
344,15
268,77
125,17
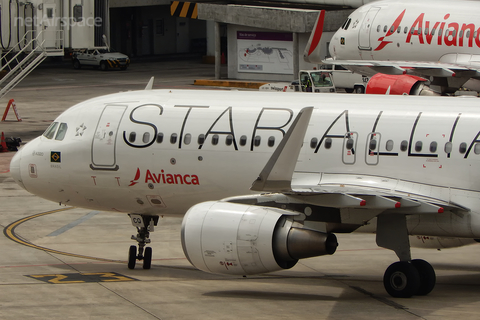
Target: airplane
264,180
434,39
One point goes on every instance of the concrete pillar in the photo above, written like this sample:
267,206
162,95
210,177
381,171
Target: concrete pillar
211,40
218,54
296,57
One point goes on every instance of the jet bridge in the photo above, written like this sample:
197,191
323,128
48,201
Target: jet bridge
33,30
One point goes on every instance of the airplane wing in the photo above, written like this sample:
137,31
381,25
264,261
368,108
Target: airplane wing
451,75
343,203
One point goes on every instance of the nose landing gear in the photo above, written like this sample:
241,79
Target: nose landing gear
144,224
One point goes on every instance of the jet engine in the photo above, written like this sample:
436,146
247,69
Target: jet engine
238,239
399,84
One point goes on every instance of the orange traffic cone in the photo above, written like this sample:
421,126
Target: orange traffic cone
3,144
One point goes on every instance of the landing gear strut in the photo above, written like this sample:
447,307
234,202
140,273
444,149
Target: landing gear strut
407,277
144,224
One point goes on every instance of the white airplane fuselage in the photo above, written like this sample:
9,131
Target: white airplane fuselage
160,152
411,31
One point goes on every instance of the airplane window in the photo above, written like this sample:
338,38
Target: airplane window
344,23
271,141
462,148
313,143
160,137
373,144
460,34
215,139
475,34
349,144
405,30
146,137
243,140
50,132
328,143
448,147
419,31
385,28
433,31
389,145
173,138
418,146
398,29
348,23
454,33
392,29
476,149
440,31
256,141
412,30
188,138
467,34
378,28
433,146
426,31
201,139
132,136
404,145
229,140
62,130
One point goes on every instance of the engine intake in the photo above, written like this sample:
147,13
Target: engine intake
230,238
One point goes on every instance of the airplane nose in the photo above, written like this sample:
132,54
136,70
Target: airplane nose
15,168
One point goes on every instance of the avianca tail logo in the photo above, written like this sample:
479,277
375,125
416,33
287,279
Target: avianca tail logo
390,31
166,178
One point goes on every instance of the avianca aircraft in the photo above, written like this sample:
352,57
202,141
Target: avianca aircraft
435,39
265,180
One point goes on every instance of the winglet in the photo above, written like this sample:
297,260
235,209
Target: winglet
150,84
277,174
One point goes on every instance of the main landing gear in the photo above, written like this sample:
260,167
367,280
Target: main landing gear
144,224
407,277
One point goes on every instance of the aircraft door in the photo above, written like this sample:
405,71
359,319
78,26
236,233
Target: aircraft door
349,147
367,24
104,140
50,25
372,148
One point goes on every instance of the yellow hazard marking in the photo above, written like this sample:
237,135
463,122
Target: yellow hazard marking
69,278
9,232
173,7
184,11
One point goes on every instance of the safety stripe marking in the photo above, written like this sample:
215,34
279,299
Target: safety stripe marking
9,232
68,278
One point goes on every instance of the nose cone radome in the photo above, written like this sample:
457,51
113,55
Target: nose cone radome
15,168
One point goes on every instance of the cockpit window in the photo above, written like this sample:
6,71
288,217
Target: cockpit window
62,130
348,23
50,132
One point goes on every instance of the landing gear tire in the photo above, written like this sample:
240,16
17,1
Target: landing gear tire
132,257
147,258
427,276
401,279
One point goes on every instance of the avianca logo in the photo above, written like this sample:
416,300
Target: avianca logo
166,178
451,34
390,31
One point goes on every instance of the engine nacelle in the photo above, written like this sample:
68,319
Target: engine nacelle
399,84
237,239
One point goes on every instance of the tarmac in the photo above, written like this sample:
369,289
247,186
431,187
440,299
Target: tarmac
60,262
